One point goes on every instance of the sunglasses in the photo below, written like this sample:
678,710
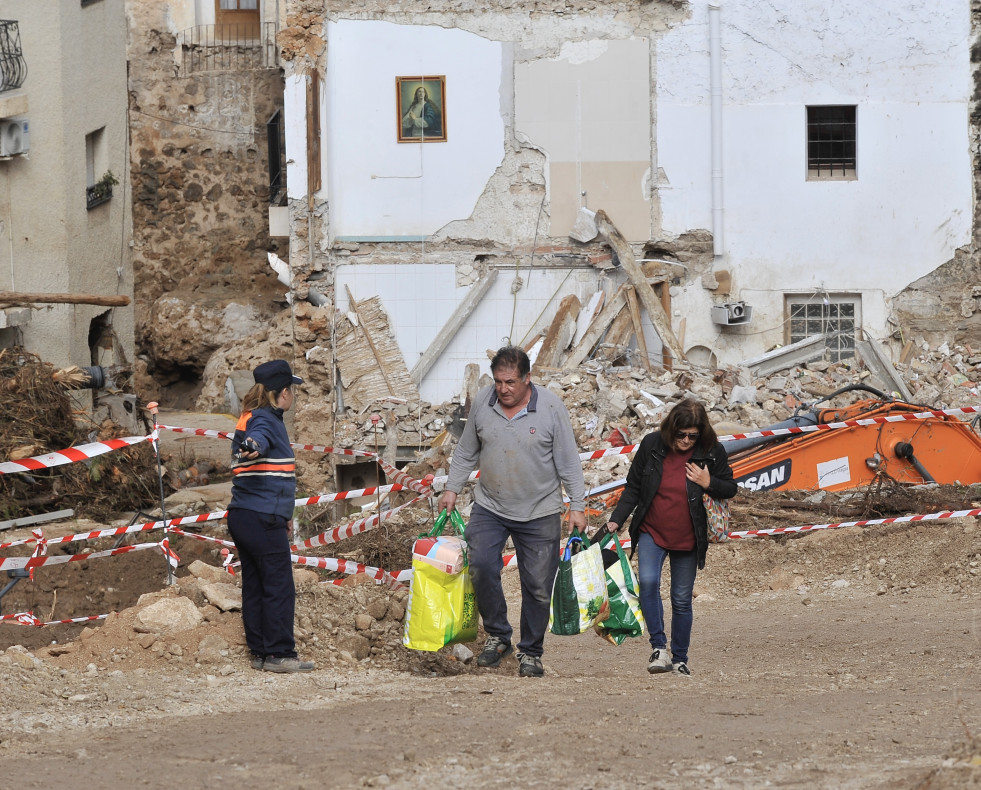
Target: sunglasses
691,436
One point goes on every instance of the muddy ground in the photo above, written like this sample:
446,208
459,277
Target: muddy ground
836,659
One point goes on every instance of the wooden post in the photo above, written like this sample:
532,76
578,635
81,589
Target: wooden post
656,313
664,293
596,329
11,298
560,333
634,306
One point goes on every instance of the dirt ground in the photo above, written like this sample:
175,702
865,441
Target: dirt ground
836,659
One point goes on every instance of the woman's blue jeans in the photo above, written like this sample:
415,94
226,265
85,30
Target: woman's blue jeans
684,566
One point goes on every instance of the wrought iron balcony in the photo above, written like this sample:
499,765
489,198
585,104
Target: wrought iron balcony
229,47
13,67
97,195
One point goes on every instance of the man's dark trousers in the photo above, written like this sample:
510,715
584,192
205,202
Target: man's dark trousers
536,544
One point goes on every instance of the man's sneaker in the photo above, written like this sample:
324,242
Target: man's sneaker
494,650
681,668
256,661
272,664
659,662
530,666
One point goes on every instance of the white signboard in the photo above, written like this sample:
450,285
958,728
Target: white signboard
831,473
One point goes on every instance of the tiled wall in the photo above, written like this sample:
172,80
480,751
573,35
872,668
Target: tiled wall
419,298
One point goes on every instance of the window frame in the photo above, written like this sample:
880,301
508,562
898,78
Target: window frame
824,167
838,345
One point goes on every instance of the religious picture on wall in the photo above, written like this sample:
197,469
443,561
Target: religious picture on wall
421,105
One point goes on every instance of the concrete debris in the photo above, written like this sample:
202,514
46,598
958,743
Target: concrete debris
604,400
227,597
168,616
584,229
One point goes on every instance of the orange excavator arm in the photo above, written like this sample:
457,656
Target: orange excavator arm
937,449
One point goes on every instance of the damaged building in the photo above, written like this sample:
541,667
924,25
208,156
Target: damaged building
382,192
782,171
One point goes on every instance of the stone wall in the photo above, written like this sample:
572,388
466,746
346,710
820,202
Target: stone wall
200,192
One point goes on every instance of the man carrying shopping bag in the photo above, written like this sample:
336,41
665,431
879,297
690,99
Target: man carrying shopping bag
521,439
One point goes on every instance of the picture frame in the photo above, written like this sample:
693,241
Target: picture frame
420,104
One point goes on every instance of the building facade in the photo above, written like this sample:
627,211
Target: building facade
65,221
824,150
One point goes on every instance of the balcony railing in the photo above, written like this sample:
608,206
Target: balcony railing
13,67
235,47
97,195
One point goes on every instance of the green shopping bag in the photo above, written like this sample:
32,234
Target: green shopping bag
579,594
442,606
626,618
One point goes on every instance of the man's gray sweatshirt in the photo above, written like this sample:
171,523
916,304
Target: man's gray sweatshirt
522,461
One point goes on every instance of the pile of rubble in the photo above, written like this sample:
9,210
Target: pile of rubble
612,405
195,625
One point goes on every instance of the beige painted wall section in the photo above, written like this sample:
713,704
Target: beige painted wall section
76,83
589,110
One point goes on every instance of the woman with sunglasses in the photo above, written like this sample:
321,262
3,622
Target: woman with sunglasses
671,470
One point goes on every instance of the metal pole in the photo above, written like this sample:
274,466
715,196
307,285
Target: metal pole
375,419
153,406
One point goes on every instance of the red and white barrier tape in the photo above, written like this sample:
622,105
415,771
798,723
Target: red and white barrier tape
70,455
355,527
115,532
228,561
172,558
921,415
350,568
86,451
353,494
28,618
10,563
206,538
753,533
40,550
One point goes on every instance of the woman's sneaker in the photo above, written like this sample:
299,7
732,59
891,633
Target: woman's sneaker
530,666
681,668
494,650
659,662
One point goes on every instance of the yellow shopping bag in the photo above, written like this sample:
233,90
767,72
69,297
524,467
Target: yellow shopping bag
442,606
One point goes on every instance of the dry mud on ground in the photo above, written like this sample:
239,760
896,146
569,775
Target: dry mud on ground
839,659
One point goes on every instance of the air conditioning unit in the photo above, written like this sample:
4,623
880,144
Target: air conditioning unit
732,313
14,137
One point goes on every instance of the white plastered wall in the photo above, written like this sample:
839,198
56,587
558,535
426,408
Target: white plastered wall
49,241
383,189
589,109
906,67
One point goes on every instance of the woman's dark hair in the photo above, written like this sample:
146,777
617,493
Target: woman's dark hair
512,357
684,416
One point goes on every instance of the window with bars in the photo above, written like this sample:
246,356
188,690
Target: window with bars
837,316
831,136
